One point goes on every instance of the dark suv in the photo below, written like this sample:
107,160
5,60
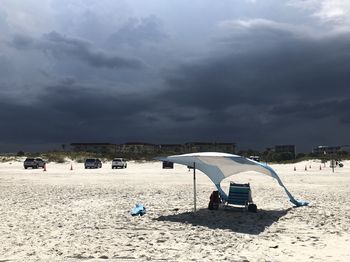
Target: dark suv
34,162
93,163
41,163
30,162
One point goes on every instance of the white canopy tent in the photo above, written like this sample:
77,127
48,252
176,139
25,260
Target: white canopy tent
218,166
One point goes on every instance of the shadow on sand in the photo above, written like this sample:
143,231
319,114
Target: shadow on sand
236,220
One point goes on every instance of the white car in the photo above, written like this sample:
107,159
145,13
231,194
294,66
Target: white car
119,163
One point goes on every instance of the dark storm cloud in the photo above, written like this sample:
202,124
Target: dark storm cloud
66,113
272,95
22,42
87,52
5,67
266,89
67,81
255,78
137,31
69,112
314,110
60,45
181,118
254,81
218,83
95,104
302,70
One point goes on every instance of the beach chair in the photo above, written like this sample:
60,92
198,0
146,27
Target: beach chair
240,195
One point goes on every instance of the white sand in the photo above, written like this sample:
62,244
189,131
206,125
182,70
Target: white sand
63,215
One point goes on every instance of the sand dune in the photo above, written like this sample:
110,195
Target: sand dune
64,215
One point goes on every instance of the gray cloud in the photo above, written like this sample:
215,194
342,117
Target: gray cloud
293,68
270,95
241,72
273,88
60,45
5,67
328,11
68,113
22,42
85,51
3,24
137,31
314,111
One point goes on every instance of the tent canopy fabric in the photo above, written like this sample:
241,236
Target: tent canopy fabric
218,166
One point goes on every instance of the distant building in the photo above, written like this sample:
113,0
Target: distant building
285,149
137,148
326,149
210,147
171,148
225,147
255,158
147,148
94,147
345,148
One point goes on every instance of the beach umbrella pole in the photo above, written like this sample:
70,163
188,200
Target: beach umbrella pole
194,188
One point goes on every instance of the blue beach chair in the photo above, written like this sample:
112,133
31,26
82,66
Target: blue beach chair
138,210
240,195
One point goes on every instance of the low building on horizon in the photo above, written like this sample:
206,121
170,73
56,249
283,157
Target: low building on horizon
285,149
137,148
326,149
148,148
94,147
193,147
171,148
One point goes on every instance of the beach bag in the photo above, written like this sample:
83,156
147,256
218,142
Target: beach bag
214,201
252,208
138,210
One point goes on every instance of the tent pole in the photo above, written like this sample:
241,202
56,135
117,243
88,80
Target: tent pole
194,187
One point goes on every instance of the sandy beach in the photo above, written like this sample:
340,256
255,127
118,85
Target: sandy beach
84,215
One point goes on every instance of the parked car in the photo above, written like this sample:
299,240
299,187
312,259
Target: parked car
40,161
255,158
119,163
93,163
30,162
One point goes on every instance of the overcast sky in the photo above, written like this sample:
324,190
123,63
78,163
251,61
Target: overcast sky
254,72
